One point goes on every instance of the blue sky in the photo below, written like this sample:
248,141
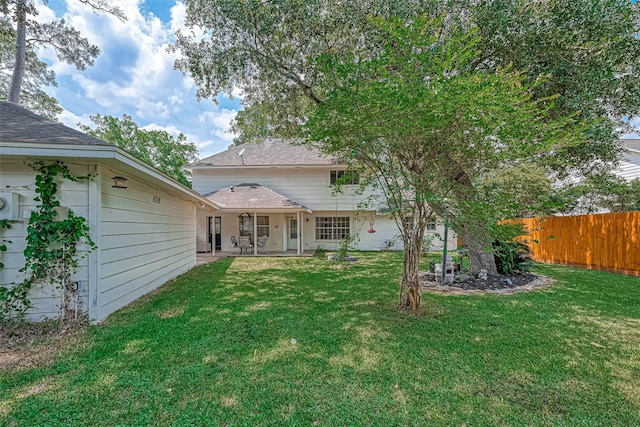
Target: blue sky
134,74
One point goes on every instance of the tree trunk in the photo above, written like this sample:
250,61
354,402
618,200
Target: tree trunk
411,278
21,49
480,255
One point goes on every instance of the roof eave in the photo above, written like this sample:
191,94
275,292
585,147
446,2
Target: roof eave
98,152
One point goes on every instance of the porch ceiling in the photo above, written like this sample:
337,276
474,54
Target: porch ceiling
252,198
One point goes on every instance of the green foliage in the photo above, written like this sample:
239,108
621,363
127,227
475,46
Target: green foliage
346,245
512,257
522,191
599,193
156,147
51,255
591,53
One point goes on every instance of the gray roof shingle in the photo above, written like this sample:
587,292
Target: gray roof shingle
270,152
17,124
631,144
251,197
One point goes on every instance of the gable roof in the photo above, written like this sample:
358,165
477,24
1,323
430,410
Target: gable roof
251,197
22,125
269,152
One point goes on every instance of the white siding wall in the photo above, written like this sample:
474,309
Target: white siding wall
629,167
201,230
142,244
308,186
386,235
18,178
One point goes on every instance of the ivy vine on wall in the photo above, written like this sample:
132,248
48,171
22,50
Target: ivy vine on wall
51,255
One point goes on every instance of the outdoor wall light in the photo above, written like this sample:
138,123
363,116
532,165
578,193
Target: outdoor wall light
156,199
119,182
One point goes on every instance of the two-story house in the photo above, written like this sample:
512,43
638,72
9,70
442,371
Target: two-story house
284,191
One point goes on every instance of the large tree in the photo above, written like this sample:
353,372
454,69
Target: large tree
426,127
28,34
36,76
589,49
156,147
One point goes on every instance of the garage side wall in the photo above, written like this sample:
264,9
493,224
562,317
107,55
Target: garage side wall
143,242
18,184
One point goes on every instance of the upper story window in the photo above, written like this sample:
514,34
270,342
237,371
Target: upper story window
344,177
431,226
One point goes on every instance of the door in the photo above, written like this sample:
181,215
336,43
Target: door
292,241
218,233
209,233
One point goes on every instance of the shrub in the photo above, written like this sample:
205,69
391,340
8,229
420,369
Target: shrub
512,256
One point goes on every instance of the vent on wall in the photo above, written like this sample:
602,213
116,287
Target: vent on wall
9,205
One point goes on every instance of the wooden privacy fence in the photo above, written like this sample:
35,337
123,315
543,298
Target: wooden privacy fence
609,242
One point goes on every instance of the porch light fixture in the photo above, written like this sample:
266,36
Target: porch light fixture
119,182
156,199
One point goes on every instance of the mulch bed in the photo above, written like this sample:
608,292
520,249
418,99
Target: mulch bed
505,284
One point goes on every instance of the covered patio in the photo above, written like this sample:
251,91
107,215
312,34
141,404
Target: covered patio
254,220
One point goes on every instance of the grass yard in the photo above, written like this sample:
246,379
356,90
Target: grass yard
305,342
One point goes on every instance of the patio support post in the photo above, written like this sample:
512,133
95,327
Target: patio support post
285,231
255,233
213,239
298,218
301,232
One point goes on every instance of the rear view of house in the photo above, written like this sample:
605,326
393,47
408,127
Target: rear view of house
285,191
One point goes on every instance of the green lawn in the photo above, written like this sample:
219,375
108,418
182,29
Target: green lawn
216,347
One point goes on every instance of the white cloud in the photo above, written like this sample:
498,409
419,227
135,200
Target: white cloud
174,131
69,119
220,122
134,75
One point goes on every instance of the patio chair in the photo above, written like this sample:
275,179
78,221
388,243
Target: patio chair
234,243
262,241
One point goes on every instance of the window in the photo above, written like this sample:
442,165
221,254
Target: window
332,228
262,226
408,222
343,177
246,225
